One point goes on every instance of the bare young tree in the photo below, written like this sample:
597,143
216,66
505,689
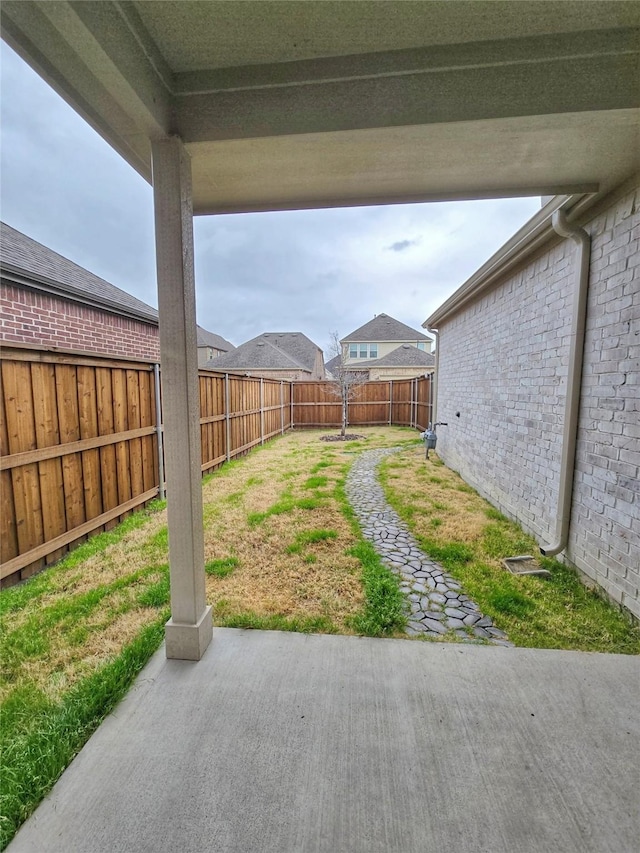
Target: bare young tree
345,381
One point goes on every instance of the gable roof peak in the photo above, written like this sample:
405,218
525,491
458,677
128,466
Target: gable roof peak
385,328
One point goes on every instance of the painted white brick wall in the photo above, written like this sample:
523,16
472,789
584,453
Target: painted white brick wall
503,368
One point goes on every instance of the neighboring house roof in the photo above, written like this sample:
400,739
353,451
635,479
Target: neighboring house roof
330,365
385,328
405,355
28,262
297,345
270,351
210,339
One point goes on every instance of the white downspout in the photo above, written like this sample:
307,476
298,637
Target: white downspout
574,377
436,374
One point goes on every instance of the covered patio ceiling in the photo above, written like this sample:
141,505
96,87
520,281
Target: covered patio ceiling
287,105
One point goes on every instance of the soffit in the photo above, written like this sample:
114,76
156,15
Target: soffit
541,155
193,36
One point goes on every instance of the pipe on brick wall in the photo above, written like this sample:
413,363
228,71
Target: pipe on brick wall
574,378
436,374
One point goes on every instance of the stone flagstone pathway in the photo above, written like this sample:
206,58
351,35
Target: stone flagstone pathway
436,600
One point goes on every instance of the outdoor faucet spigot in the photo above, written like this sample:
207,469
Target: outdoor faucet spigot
430,437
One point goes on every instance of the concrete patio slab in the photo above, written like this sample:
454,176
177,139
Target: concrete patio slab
280,742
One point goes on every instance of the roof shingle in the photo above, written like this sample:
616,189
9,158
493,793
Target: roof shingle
22,256
210,339
385,328
270,351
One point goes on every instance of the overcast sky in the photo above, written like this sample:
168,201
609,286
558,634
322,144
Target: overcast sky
308,271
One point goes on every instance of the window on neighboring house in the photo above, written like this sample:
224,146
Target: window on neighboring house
422,345
363,350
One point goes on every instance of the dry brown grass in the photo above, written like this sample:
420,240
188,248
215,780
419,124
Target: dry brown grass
269,580
320,582
436,491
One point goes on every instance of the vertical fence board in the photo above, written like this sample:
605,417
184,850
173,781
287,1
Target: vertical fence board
8,534
88,414
120,423
108,465
135,444
219,448
147,396
50,471
69,422
25,480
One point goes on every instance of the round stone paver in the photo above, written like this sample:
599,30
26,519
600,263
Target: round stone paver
428,587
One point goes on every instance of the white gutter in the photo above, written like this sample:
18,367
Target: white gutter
436,374
574,377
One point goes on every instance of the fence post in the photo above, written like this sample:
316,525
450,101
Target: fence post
281,407
411,402
160,442
226,416
412,408
261,410
291,424
390,400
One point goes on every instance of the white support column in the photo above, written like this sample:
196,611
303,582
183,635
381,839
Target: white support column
190,628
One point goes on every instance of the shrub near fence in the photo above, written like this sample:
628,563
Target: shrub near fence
79,444
79,439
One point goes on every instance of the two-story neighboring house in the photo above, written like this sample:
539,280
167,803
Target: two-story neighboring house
388,349
379,337
291,356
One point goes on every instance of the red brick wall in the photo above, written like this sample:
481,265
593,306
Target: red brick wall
27,316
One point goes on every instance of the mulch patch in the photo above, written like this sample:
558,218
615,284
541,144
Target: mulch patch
348,437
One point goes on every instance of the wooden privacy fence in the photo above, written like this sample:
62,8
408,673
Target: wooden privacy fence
239,412
399,402
79,439
81,443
